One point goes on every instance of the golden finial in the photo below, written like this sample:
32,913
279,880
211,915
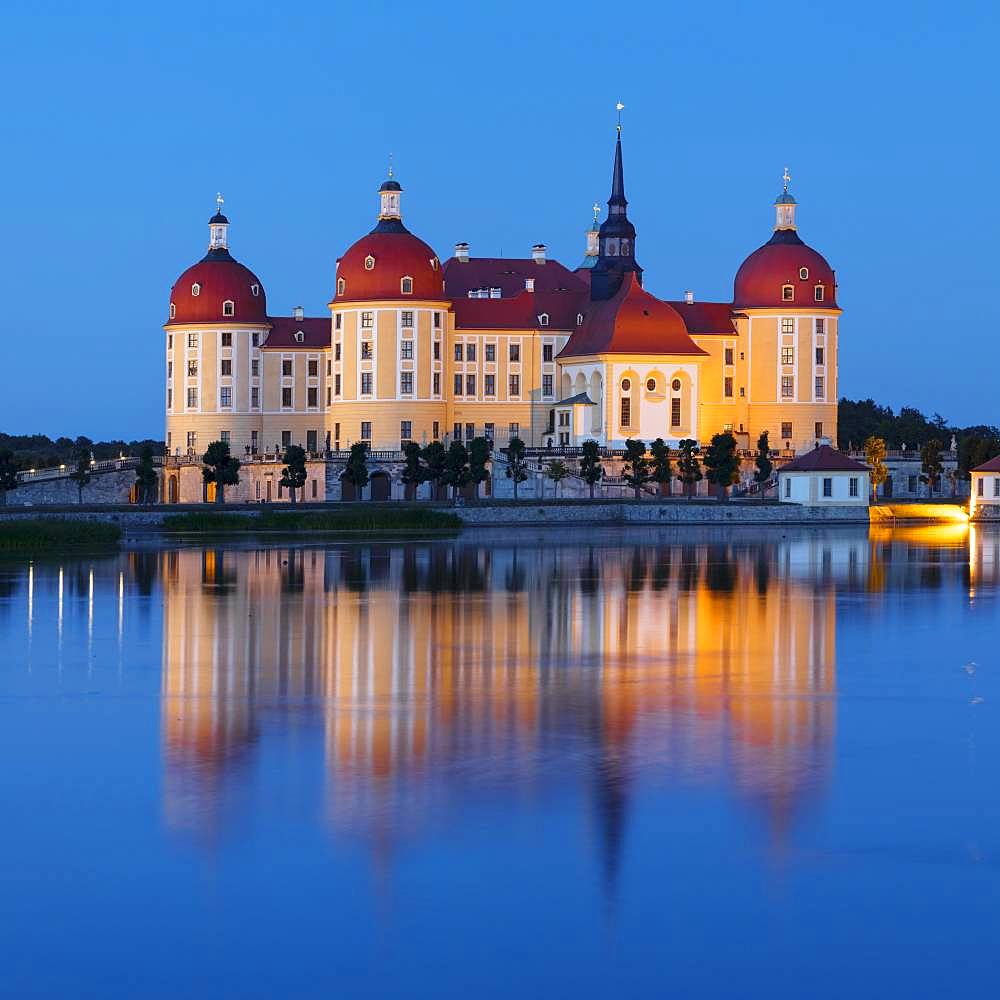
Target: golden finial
619,107
786,177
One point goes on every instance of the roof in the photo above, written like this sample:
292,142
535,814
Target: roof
993,465
580,397
520,311
762,275
823,459
706,317
396,254
631,322
284,328
219,279
508,274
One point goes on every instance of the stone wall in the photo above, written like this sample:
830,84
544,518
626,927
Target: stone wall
104,487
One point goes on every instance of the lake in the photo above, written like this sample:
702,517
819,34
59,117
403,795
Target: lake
592,763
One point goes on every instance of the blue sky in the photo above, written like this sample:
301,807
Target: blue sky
121,121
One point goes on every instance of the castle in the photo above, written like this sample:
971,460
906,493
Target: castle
420,349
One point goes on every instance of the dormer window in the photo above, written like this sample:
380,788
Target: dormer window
787,293
196,289
803,273
579,319
255,290
341,285
173,310
819,293
434,263
543,320
406,286
299,337
229,308
369,263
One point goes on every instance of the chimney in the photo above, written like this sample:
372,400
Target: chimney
298,312
529,284
462,252
689,297
538,253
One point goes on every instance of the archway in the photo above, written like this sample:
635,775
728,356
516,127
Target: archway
348,491
172,489
381,486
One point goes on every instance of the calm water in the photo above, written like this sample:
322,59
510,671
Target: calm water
636,763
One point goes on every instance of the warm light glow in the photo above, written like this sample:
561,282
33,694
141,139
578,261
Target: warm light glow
928,512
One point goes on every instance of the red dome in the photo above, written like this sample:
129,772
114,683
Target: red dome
219,279
395,254
783,260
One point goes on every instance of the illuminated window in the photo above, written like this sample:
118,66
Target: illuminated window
787,386
788,326
675,412
788,355
367,320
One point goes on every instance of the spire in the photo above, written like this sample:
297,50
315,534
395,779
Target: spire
784,205
218,229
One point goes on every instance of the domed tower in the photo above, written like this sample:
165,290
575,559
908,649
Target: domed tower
593,242
785,306
390,321
217,321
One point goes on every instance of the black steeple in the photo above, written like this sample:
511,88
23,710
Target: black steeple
617,240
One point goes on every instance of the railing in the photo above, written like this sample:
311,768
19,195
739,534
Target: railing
64,471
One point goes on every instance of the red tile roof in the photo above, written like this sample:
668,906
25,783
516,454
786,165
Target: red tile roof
993,465
777,263
706,317
823,459
397,254
284,328
520,312
508,274
220,279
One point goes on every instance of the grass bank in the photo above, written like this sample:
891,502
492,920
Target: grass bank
52,535
375,521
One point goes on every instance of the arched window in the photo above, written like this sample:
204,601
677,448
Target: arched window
406,286
196,289
804,273
228,308
543,320
819,292
341,285
300,337
579,319
434,263
255,290
787,293
626,384
369,263
173,310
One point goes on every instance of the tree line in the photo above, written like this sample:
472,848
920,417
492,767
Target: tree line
38,451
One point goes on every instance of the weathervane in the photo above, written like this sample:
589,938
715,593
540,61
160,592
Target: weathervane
390,164
219,201
786,177
619,107
597,212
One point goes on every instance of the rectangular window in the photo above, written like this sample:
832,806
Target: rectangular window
470,385
255,339
514,429
405,431
366,430
255,368
192,369
226,367
458,385
728,356
226,396
728,387
675,412
456,431
170,399
819,356
336,352
329,396
366,383
489,431
170,341
546,352
515,385
336,436
820,387
787,386
170,369
437,350
311,441
436,383
827,486
313,481
996,487
818,428
406,350
437,321
338,320
788,326
787,293
515,352
286,438
192,340
436,431
312,396
470,352
459,349
254,398
367,320
626,412
192,397
490,385
312,369
286,367
406,320
336,385
286,395
227,340
786,430
470,431
366,350
546,385
329,367
406,383
192,439
853,486
821,326
788,486
788,355
564,418
979,487
491,352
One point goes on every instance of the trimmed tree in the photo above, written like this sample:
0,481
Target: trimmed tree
662,471
635,471
591,470
8,474
294,475
688,465
875,457
721,464
931,465
479,456
356,472
220,468
517,465
81,474
413,471
456,469
763,462
145,475
557,470
433,456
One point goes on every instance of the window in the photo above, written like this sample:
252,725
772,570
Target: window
435,431
192,340
788,486
366,350
170,341
366,430
336,352
803,273
515,385
675,412
787,386
226,367
788,326
728,356
788,355
312,396
434,263
458,385
546,352
513,429
626,384
818,428
676,385
286,396
827,486
819,356
192,397
329,367
196,289
313,481
470,352
406,319
255,368
406,350
853,486
436,383
173,310
255,290
743,391
818,293
626,412
491,352
437,350
546,385
369,263
728,388
336,436
192,440
406,286
255,339
651,385
489,431
336,384
367,320
170,401
286,367
996,487
515,352
227,340
564,418
543,320
727,428
228,308
338,321
226,396
312,369
456,431
459,352
820,387
192,369
329,396
470,385
437,321
366,383
405,431
470,431
406,383
979,486
254,398
787,293
820,326
786,430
